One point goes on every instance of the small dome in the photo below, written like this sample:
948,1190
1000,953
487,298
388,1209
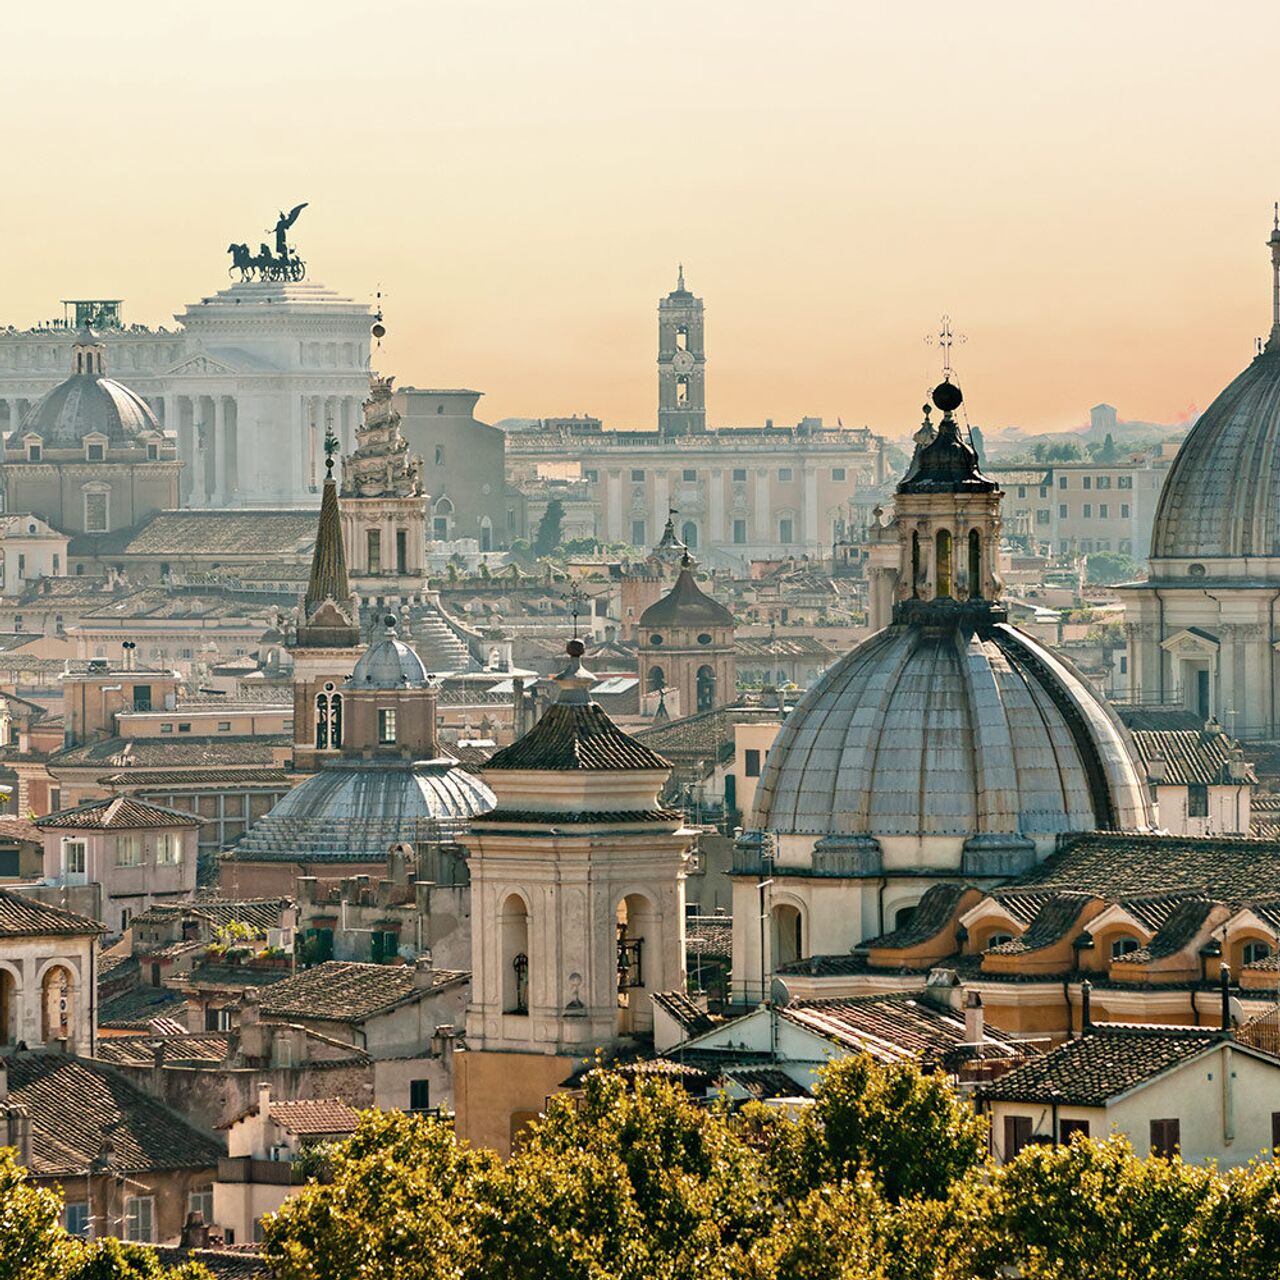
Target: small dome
389,663
930,731
87,403
686,605
1221,498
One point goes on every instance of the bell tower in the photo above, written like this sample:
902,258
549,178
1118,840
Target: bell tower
682,361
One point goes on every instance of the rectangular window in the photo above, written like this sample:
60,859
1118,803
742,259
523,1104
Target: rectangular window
785,530
167,848
1067,1127
1062,482
128,851
1197,800
591,476
739,532
837,473
402,551
183,654
57,567
76,1218
224,726
1017,1133
1062,511
22,565
638,533
689,473
1086,482
784,474
1104,482
386,724
33,453
1042,516
739,475
1102,511
201,1202
93,453
419,1095
73,857
95,513
1166,1137
751,762
637,475
1124,511
373,550
184,727
153,452
142,697
1088,510
440,528
1124,482
139,1219
166,728
55,799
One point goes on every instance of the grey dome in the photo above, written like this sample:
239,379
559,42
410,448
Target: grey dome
356,809
1222,495
83,405
935,731
388,663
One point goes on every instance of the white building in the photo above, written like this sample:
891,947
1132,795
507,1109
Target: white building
248,384
30,548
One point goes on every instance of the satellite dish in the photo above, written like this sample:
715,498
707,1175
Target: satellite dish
779,996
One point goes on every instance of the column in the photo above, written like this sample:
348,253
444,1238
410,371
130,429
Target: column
199,453
810,506
763,533
221,447
613,507
15,416
715,509
661,505
292,485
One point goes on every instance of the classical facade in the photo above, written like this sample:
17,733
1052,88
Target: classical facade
247,385
89,457
383,507
577,884
743,493
948,745
1203,629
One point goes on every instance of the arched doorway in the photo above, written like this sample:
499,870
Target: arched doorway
57,999
689,535
636,931
788,934
514,925
706,688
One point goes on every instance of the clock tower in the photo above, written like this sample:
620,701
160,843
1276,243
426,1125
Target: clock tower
682,405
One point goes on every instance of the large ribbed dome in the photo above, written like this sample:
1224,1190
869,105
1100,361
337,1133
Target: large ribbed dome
87,403
1222,494
942,731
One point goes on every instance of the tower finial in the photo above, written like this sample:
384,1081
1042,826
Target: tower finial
1274,244
680,278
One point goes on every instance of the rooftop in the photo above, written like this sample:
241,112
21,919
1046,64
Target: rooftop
339,991
21,916
117,813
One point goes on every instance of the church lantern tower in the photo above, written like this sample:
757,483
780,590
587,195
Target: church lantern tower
327,638
682,361
577,908
384,510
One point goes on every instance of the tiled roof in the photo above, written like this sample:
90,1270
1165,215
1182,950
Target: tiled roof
766,1082
710,936
1088,1072
593,817
287,533
1179,928
245,776
801,646
135,1010
1051,924
222,1264
117,813
338,991
173,752
573,736
15,828
175,1047
931,916
1191,756
75,1104
21,916
693,1019
708,734
686,605
259,913
895,1027
1157,718
1120,865
309,1116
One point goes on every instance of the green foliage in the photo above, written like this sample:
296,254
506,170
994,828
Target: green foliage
114,1260
550,529
1106,567
1067,451
1107,451
33,1245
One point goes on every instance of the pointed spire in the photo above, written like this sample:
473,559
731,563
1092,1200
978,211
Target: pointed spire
328,579
1273,343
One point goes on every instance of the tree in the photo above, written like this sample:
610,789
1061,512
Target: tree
33,1244
1107,451
550,529
1105,567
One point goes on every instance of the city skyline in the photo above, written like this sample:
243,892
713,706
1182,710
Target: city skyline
524,201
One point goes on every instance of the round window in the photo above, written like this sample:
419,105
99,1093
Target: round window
1195,570
655,638
704,638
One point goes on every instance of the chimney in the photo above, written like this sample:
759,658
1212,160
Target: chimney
423,973
195,1231
1086,1014
1157,770
264,1099
442,1041
17,1128
1224,987
974,1028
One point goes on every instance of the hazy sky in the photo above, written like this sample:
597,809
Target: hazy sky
1084,187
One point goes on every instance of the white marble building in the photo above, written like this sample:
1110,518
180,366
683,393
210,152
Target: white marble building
248,385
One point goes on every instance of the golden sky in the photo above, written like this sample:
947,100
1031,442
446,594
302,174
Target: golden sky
1086,188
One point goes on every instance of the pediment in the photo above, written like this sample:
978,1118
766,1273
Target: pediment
201,365
1192,642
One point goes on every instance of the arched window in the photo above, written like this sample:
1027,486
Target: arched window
1254,952
657,679
514,925
8,1007
56,1011
1124,946
942,582
486,534
788,935
328,719
706,688
689,534
915,563
975,564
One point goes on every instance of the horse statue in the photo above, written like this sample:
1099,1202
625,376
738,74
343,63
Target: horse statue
241,261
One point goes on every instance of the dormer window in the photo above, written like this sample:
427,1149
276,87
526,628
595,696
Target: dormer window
153,452
35,448
95,448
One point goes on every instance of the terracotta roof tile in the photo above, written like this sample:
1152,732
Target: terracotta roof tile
117,813
574,736
338,991
313,1116
21,916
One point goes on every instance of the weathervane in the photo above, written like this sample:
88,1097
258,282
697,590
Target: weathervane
575,596
946,338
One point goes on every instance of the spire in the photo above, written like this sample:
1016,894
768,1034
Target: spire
947,463
680,278
328,579
1273,343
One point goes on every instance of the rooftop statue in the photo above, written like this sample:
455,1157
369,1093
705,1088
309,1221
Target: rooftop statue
284,264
